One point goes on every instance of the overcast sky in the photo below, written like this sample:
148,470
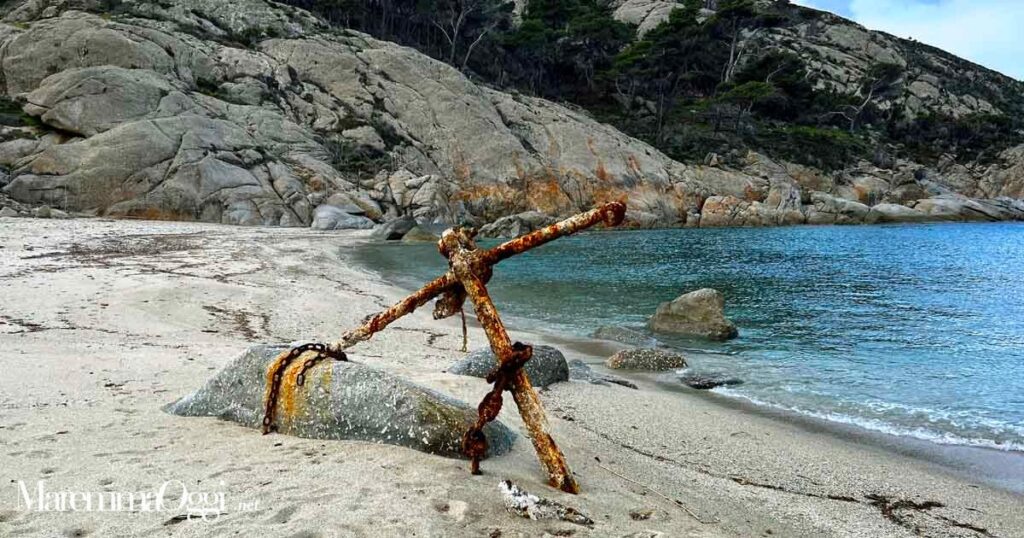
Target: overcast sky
988,32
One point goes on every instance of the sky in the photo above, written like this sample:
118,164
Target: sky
988,32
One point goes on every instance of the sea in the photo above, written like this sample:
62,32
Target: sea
910,330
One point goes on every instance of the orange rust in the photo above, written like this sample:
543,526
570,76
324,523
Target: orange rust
466,262
290,401
611,214
285,404
469,270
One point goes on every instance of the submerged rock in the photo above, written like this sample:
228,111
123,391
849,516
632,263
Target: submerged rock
707,381
698,313
546,366
646,359
581,371
624,335
344,401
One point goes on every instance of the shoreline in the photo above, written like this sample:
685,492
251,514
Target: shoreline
1003,469
118,318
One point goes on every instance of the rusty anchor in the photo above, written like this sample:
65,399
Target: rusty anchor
469,271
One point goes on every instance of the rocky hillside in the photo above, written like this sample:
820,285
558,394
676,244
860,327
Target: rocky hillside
252,112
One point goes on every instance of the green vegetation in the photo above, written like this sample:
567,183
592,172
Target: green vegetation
12,115
694,84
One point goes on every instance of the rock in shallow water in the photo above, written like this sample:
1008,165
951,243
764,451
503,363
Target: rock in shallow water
394,230
707,381
645,359
341,400
624,335
328,217
698,313
546,366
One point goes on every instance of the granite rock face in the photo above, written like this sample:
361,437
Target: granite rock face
697,313
341,401
256,113
516,225
546,367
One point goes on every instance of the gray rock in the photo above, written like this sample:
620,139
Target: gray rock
91,100
707,381
730,210
646,359
624,335
827,209
645,14
581,371
327,217
547,365
394,230
342,401
42,212
8,212
961,209
516,225
886,213
162,114
420,234
698,313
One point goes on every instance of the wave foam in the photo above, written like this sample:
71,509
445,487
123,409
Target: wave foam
924,434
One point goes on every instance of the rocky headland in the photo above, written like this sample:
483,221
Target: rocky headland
256,113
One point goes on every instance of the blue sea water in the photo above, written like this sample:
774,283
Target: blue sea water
914,330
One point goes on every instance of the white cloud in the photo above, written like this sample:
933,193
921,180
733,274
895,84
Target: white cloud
988,32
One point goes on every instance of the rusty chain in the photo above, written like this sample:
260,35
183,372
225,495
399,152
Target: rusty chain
276,374
469,270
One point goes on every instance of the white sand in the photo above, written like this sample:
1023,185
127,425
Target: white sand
94,340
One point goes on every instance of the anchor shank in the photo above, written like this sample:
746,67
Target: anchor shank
464,264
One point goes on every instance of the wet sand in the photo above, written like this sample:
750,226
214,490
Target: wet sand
104,322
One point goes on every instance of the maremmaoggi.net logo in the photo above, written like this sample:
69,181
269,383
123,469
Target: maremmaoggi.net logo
172,496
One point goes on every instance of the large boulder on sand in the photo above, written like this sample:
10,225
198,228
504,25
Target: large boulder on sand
646,359
546,366
698,313
341,400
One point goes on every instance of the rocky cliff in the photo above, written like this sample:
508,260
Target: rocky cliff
252,112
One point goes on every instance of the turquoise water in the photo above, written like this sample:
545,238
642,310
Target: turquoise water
914,330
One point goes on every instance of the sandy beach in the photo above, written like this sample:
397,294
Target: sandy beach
104,322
